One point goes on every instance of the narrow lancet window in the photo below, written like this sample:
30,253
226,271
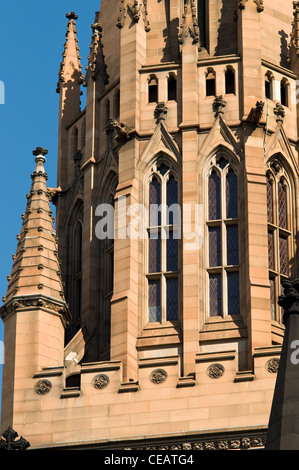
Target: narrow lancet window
223,240
163,246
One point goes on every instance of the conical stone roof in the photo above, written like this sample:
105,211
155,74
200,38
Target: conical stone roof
36,267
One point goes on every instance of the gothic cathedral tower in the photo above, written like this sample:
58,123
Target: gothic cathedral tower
135,327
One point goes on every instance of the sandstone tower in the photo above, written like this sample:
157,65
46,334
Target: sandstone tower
135,341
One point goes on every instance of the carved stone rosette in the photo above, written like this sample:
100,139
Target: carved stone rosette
42,387
101,381
158,376
215,371
272,365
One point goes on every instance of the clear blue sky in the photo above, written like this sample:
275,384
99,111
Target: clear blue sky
32,37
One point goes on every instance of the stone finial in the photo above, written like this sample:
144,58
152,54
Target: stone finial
160,112
279,112
219,105
71,16
9,441
40,153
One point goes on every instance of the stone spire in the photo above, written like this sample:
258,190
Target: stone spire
36,269
70,67
283,431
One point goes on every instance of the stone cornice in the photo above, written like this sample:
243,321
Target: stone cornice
35,302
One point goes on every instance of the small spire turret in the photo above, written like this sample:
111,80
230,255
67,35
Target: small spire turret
36,267
70,67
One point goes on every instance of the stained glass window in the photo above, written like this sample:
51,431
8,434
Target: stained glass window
215,295
269,201
223,240
233,293
154,203
271,250
172,253
283,255
231,195
215,246
272,298
282,206
172,299
172,199
214,197
278,231
154,300
232,236
155,255
163,246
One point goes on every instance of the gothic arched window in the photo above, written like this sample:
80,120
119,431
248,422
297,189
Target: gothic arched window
210,82
76,275
284,92
172,87
269,80
230,86
106,272
279,231
223,239
163,244
201,16
153,91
